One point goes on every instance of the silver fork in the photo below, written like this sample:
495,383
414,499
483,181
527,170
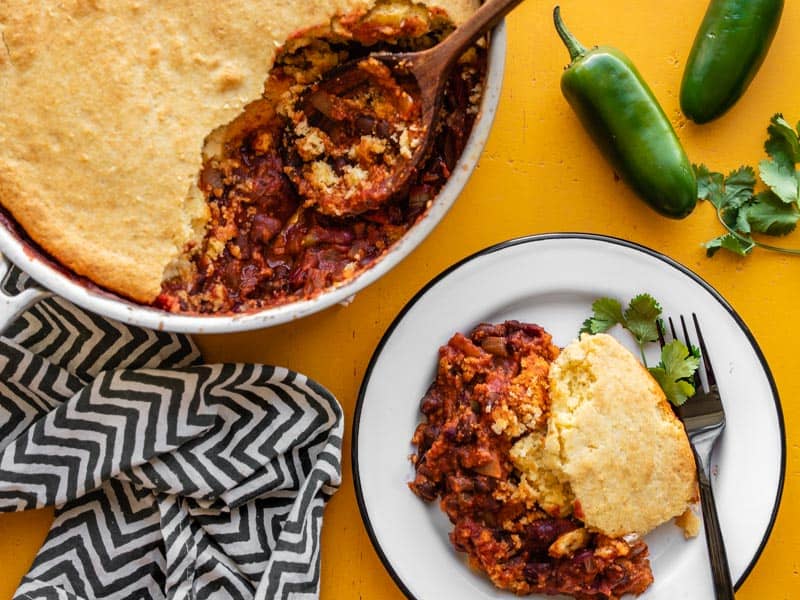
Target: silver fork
704,418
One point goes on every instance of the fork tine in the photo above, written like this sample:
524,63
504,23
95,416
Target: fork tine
660,327
712,380
672,329
698,384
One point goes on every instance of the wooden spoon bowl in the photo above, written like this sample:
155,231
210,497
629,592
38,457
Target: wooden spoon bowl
411,85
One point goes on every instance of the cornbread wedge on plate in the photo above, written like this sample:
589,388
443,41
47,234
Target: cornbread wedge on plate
613,436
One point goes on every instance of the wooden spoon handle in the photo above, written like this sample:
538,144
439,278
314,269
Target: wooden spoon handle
483,19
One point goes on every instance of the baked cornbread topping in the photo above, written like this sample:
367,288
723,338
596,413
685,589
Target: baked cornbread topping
511,449
140,119
614,437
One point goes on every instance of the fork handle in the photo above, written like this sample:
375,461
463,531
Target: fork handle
723,587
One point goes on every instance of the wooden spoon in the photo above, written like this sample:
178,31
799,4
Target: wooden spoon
430,69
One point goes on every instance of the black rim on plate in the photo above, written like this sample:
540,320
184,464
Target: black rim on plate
547,237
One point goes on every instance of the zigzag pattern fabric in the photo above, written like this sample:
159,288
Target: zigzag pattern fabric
170,478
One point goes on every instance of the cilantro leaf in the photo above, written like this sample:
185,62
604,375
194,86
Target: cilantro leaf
607,313
783,147
732,196
709,185
739,186
677,392
782,144
675,370
678,360
736,219
772,216
640,318
734,243
781,178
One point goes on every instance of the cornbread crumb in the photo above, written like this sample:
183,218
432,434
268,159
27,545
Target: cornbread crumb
405,144
322,175
538,483
569,543
312,143
523,405
263,143
370,145
689,522
354,175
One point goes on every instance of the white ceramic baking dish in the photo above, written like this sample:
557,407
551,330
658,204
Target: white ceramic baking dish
56,280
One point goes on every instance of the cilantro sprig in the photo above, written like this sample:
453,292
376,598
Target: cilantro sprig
675,372
743,211
642,318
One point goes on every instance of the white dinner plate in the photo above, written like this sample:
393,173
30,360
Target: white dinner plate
552,280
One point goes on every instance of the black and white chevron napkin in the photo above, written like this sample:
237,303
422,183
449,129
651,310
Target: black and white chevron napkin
171,478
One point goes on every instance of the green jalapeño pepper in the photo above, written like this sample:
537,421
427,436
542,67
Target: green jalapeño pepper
730,46
624,118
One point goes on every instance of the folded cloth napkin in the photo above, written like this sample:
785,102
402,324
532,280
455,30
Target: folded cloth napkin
170,478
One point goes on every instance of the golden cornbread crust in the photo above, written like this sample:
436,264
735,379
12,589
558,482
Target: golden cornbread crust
615,439
106,106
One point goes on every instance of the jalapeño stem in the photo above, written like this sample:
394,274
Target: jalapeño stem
576,49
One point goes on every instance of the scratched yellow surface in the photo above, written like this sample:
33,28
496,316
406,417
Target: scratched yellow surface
540,173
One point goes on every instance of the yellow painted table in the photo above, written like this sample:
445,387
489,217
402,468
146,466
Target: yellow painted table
540,173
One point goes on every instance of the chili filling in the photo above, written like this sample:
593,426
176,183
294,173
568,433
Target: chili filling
272,238
350,137
474,413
